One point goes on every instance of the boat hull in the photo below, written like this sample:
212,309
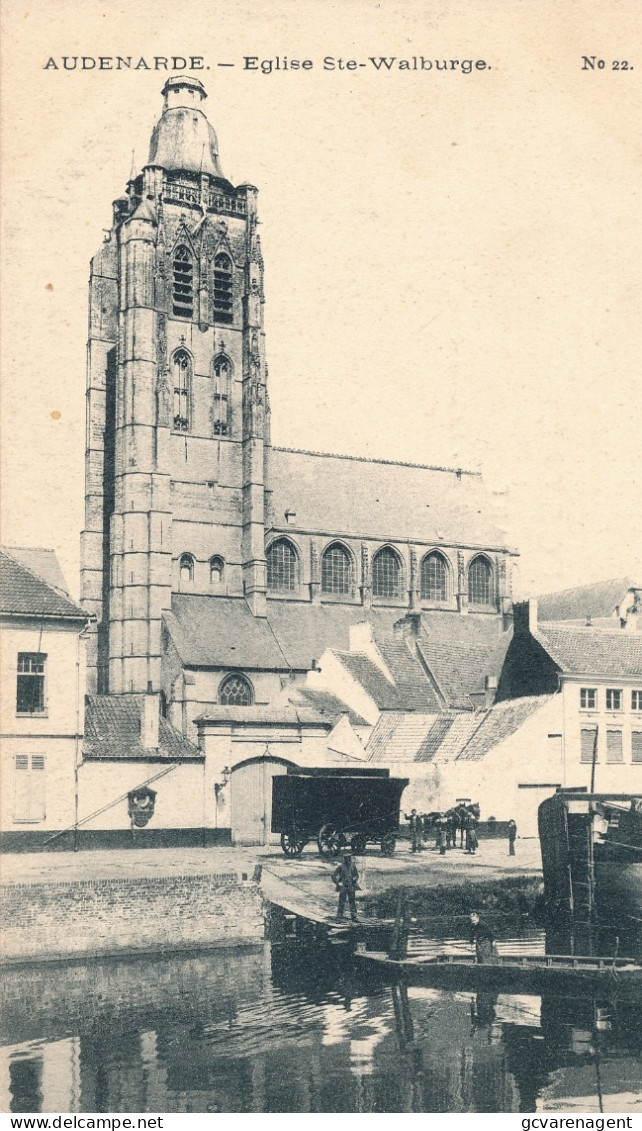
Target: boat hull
618,888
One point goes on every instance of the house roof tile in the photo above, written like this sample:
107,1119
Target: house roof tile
113,729
23,592
603,653
460,652
398,736
599,599
498,723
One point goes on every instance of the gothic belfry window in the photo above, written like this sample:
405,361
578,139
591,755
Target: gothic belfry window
222,288
183,289
221,407
182,378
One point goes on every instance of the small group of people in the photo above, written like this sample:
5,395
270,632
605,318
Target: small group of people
445,827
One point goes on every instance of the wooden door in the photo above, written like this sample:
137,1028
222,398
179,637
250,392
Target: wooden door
251,801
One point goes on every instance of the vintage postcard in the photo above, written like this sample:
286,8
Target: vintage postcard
321,564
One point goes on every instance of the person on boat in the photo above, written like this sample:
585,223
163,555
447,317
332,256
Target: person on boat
346,880
416,831
483,938
512,837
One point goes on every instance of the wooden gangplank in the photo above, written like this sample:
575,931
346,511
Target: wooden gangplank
287,895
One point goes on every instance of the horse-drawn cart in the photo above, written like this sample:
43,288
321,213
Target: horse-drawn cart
337,808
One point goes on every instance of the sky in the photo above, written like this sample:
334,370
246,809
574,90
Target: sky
452,260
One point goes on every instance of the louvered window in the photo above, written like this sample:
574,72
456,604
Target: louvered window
636,745
588,740
183,290
29,793
223,288
221,407
614,752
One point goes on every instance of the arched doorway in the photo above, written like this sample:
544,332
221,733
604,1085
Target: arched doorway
251,799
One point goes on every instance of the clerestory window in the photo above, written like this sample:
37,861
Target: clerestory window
282,566
336,571
386,574
480,577
433,578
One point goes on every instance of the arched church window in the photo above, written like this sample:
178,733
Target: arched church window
222,288
479,582
386,574
222,367
434,578
186,570
336,571
182,376
282,566
183,289
235,691
217,566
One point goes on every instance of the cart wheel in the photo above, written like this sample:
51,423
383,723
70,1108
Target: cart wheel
358,844
330,840
388,844
292,844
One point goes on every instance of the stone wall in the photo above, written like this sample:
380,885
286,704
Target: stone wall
114,916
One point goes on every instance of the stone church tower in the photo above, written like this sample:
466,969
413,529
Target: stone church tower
177,413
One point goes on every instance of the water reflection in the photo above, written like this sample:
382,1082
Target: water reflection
290,1028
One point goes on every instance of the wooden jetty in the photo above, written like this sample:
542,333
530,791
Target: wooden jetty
510,973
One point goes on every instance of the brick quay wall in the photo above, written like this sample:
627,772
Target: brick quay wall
142,914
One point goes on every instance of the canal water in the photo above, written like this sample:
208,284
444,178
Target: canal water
287,1027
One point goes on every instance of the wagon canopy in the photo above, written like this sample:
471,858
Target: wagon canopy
348,800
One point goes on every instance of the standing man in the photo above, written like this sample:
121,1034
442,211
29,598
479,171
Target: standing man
416,830
483,938
512,837
346,880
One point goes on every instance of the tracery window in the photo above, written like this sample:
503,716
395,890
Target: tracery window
222,382
186,570
479,582
182,377
183,288
217,566
235,691
336,571
386,574
434,578
282,566
223,288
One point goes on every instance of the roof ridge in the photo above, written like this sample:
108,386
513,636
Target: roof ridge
56,589
374,459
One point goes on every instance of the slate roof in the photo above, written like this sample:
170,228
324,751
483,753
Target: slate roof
337,494
602,653
597,600
498,723
374,682
112,733
414,690
460,652
23,592
221,632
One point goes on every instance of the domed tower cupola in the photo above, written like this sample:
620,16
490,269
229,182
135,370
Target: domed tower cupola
183,140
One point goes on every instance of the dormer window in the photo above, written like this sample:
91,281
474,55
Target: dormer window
183,289
223,288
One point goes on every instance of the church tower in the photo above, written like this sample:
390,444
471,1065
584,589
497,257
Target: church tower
177,413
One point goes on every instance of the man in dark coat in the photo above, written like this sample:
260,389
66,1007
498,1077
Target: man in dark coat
416,831
512,837
346,880
483,938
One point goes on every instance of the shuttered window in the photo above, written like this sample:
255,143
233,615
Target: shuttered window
29,794
614,751
588,736
636,746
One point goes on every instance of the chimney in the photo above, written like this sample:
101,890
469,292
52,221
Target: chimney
149,720
490,689
525,617
408,626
